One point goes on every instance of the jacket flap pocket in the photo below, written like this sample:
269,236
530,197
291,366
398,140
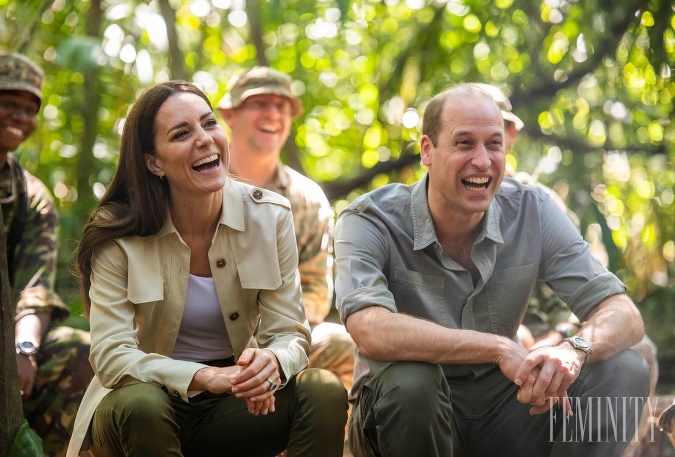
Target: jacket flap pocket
145,275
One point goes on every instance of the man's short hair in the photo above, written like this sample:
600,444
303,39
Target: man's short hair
432,120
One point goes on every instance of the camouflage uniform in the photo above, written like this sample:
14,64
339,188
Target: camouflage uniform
63,366
332,348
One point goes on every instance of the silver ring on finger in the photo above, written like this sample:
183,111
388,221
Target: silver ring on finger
273,385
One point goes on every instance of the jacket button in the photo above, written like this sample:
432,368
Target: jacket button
176,394
257,194
220,263
165,389
234,316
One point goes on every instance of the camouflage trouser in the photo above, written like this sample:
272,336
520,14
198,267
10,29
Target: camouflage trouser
63,375
333,349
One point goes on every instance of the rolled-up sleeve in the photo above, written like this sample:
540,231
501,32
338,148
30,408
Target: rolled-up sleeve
568,266
361,256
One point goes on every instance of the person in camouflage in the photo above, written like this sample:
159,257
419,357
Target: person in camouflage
52,359
258,109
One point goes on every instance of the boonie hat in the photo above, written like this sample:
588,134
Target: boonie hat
18,72
260,80
503,103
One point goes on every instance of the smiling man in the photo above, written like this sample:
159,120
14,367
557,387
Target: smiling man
52,359
433,280
258,109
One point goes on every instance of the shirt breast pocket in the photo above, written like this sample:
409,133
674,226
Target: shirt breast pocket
419,295
508,293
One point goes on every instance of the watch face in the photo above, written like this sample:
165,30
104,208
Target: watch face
27,347
580,342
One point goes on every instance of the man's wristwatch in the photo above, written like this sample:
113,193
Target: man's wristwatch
26,348
578,342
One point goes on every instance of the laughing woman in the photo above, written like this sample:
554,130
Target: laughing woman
199,338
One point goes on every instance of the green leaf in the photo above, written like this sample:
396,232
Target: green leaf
26,443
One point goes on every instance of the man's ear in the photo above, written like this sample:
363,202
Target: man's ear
152,165
425,150
226,114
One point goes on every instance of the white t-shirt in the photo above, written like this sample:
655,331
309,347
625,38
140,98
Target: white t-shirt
202,335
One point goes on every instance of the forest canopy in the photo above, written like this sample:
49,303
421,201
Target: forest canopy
592,80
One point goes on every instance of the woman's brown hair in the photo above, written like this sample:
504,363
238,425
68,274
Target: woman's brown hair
136,202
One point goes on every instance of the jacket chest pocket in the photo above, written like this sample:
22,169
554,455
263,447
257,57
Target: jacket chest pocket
419,295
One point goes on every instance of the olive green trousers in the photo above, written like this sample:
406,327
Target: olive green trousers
409,409
142,420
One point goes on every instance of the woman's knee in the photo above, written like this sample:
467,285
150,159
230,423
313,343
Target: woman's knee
137,403
320,393
135,420
320,383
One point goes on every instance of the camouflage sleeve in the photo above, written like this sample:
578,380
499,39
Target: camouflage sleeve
36,256
544,311
314,233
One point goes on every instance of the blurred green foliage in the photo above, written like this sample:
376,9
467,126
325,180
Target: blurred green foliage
591,79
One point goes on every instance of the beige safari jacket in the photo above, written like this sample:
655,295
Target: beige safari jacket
138,290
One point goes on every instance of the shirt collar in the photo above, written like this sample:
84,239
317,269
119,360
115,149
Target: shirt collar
279,181
282,180
491,227
425,233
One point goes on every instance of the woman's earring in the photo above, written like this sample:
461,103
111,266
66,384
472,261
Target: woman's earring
161,176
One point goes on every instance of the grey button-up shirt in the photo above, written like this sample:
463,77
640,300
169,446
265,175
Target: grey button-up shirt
388,255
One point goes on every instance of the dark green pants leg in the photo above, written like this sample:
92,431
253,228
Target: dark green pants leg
404,410
608,400
135,421
309,421
318,427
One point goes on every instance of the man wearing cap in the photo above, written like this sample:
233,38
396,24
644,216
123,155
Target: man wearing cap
258,109
52,360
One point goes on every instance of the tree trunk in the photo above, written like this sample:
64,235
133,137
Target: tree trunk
90,107
11,411
175,54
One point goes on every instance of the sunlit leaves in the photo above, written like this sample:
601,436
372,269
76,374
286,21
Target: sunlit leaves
558,48
472,24
365,70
